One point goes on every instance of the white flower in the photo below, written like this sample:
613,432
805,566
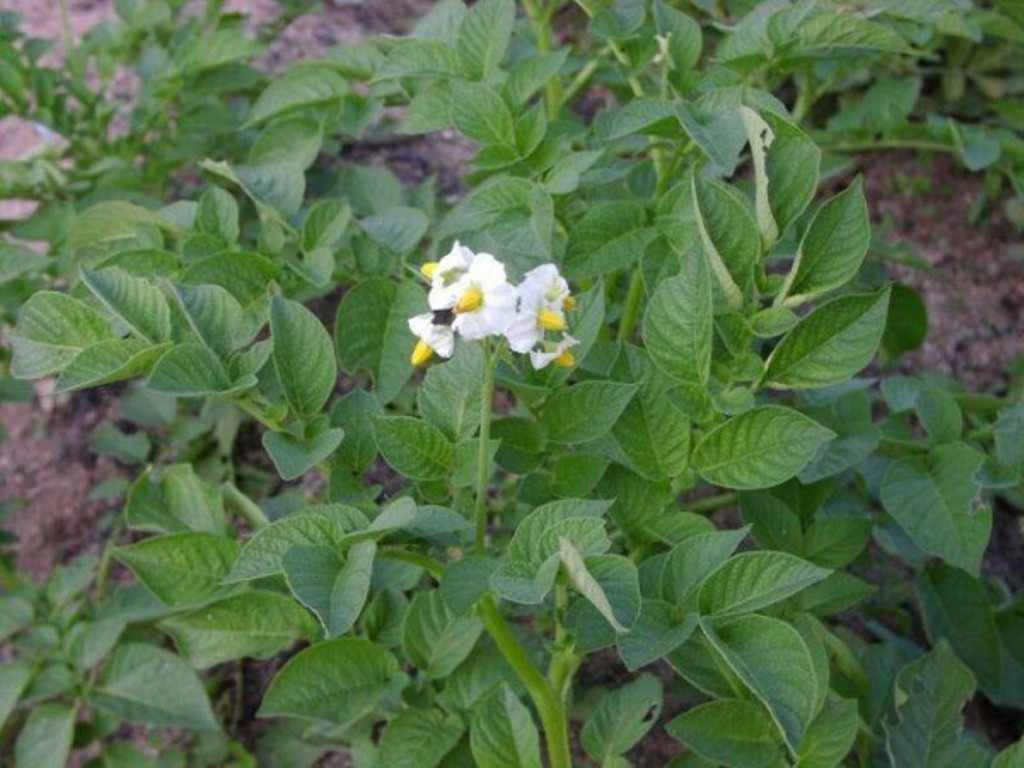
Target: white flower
555,352
484,303
543,299
439,339
445,274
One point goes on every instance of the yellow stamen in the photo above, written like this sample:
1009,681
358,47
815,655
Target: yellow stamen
549,320
471,301
565,360
569,303
428,270
421,353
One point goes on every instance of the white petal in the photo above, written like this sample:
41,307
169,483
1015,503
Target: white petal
523,333
420,324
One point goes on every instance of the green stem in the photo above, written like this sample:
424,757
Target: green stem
564,661
540,22
103,569
882,144
711,503
244,506
483,450
631,309
549,708
257,413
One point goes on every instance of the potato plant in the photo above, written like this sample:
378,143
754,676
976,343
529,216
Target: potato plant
619,403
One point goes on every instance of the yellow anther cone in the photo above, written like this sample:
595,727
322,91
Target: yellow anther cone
550,320
421,354
471,301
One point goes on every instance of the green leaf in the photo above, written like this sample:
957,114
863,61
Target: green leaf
181,568
482,115
253,624
174,498
758,449
108,361
333,589
729,732
906,326
419,738
655,634
484,36
955,608
418,450
14,679
277,188
830,737
840,34
294,456
322,526
771,659
730,236
678,323
52,330
622,718
245,275
934,500
585,411
147,685
791,164
503,734
930,692
398,229
372,333
608,237
831,344
450,395
338,681
215,316
303,356
135,301
751,581
533,554
435,639
610,583
112,220
307,85
45,739
1011,756
194,370
217,214
833,247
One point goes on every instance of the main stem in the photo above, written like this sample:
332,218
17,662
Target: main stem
545,699
483,457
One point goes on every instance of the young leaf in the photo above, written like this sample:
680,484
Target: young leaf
45,738
415,448
335,591
303,356
792,168
419,738
338,681
678,327
774,662
730,732
52,330
14,679
174,498
437,640
134,300
656,633
503,734
483,37
751,581
831,344
729,234
181,568
585,411
253,624
609,582
930,692
758,449
481,115
294,456
833,247
150,686
450,395
933,498
372,334
622,718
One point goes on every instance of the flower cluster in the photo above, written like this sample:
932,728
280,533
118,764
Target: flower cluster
470,295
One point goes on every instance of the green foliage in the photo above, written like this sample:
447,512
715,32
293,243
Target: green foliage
450,548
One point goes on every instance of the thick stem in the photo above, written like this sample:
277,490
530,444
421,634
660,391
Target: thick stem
552,714
631,309
483,451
